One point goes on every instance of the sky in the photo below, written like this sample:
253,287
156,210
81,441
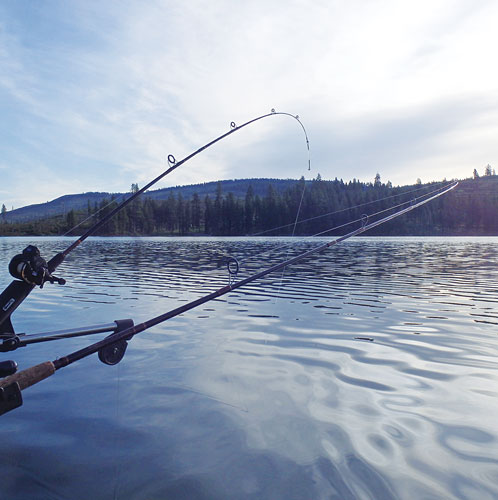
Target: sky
95,95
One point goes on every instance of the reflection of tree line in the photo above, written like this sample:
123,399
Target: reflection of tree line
469,210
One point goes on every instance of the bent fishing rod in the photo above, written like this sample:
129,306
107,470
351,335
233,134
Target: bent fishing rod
112,349
30,269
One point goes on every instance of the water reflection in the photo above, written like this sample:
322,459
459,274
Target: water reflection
368,371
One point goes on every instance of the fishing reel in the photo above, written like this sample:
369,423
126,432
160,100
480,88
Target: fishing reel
113,353
30,267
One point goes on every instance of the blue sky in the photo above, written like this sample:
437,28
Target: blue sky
95,95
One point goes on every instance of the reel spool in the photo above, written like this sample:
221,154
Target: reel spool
114,353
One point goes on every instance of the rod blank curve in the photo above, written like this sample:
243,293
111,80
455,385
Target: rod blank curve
54,262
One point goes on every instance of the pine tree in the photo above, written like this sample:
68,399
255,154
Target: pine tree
70,220
208,215
196,212
171,213
249,210
216,222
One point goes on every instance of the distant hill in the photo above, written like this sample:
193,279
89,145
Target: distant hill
64,204
270,208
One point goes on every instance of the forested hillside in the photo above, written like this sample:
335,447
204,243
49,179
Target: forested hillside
78,202
470,209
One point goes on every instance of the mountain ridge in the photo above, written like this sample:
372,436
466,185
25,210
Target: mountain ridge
79,201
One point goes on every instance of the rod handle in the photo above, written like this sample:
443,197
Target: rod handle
30,376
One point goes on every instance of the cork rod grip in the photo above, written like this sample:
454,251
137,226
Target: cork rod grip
30,376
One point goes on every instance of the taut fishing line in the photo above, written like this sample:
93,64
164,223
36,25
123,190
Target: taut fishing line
293,229
113,201
118,445
397,195
363,220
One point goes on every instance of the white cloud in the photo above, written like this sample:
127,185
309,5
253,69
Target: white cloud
100,94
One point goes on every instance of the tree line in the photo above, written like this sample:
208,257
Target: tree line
319,205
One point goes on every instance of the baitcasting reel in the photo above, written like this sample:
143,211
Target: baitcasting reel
31,267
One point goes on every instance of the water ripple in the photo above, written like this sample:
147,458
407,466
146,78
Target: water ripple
368,371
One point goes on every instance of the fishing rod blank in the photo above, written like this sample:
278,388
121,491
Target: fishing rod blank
11,386
30,269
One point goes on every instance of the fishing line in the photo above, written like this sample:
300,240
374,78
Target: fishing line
113,201
118,446
363,220
293,233
341,210
283,247
358,220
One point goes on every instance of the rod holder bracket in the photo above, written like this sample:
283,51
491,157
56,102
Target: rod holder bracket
9,343
113,353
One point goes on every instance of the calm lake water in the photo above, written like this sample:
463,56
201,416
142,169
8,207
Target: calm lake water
367,372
